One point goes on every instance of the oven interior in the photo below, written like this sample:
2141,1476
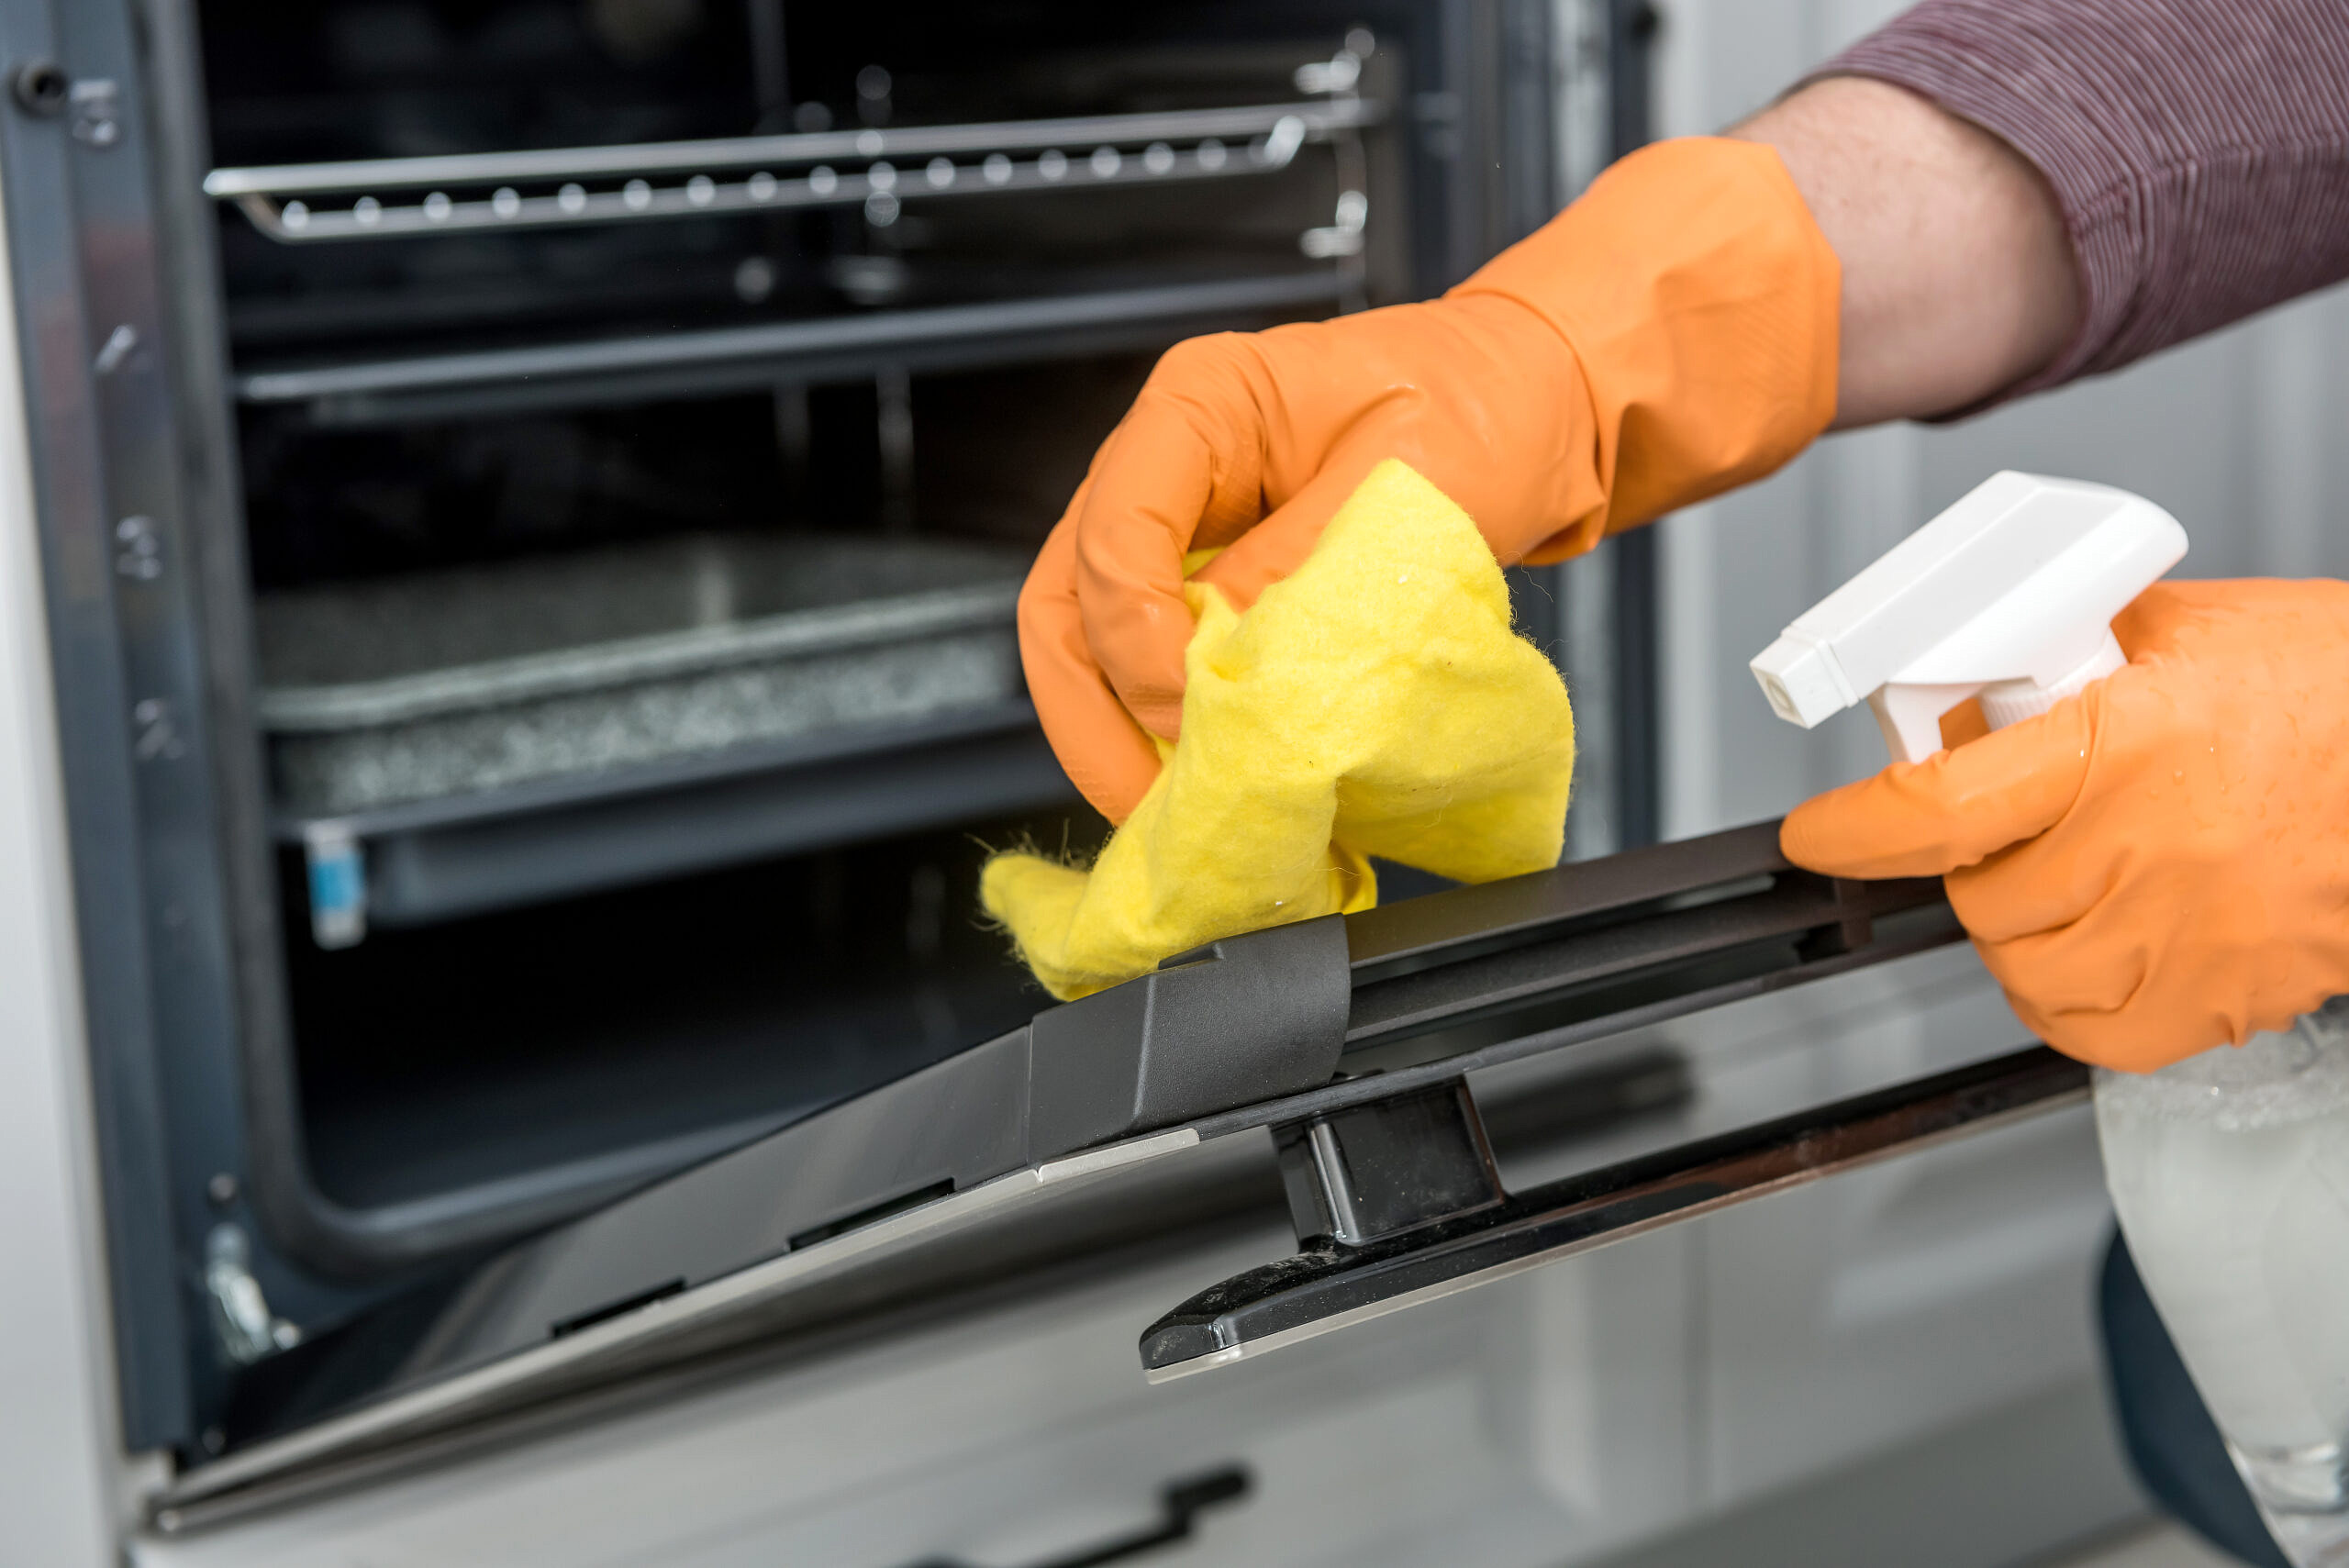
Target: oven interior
645,411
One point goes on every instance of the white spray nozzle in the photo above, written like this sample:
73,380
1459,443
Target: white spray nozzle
2008,594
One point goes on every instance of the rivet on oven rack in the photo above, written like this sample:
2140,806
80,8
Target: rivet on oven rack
1342,237
753,280
996,169
1211,154
701,190
506,202
436,207
1335,75
822,180
882,177
295,215
571,198
761,185
1158,158
367,212
1106,161
873,86
940,173
1280,144
1052,163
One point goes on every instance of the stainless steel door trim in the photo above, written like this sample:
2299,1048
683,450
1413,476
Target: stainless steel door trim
1318,119
446,1402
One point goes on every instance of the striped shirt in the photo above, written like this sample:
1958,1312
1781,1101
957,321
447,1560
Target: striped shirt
2198,149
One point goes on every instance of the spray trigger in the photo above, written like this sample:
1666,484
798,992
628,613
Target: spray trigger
2007,595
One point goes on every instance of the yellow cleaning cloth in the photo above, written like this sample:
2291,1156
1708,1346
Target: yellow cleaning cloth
1373,703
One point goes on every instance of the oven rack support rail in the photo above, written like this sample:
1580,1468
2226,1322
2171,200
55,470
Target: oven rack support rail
1351,1040
876,170
490,381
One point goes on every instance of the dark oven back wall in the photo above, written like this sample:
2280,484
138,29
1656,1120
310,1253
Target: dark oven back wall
395,78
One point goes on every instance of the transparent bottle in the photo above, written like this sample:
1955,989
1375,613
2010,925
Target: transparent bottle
2229,1172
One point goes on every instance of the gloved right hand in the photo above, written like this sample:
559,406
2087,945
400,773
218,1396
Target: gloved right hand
1671,335
2157,865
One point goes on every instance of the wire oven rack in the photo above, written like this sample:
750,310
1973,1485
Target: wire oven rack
876,170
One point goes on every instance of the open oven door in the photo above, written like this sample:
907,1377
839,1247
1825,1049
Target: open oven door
1349,1039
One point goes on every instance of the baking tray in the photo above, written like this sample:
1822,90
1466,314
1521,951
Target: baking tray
434,684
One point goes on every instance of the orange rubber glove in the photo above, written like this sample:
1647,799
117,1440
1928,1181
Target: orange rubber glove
2161,864
1671,335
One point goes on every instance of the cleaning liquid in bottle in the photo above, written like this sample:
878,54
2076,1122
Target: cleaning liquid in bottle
2229,1171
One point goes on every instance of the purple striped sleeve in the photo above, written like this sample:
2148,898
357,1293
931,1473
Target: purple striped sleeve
2199,148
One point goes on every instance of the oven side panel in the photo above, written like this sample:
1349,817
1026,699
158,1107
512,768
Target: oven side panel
129,713
55,1446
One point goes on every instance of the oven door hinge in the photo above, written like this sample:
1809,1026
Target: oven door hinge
242,1321
1397,1201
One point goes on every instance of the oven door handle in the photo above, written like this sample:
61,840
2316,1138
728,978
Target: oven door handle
1180,1505
1397,1202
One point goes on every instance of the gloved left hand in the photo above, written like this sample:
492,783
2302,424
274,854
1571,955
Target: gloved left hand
2160,864
1671,335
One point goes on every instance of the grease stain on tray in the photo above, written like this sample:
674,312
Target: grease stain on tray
381,693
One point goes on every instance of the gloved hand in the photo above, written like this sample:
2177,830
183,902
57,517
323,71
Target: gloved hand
2161,864
1671,335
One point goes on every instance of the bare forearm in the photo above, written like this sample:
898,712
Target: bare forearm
1958,279
2190,157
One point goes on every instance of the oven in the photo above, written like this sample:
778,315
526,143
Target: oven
530,499
534,494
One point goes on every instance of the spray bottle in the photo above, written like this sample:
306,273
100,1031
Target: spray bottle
2229,1171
